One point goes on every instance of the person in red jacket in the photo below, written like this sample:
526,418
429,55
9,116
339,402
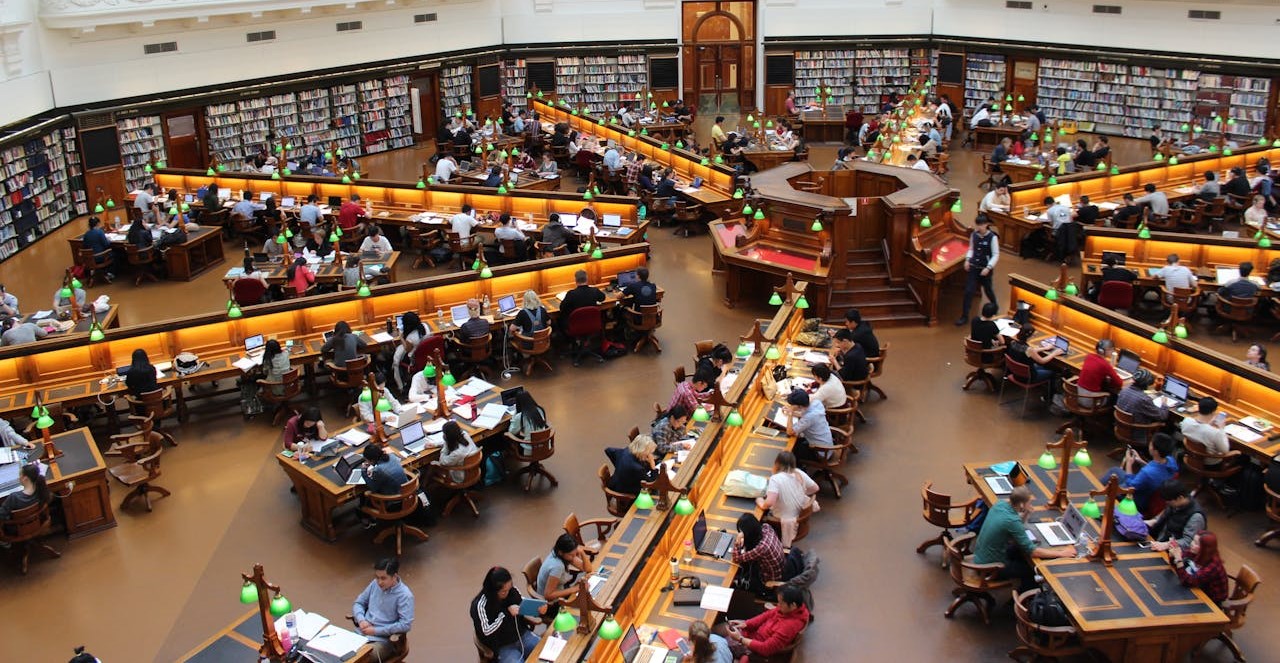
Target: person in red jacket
1098,378
771,631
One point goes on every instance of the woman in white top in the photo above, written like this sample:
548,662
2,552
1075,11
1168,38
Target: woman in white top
457,447
412,334
528,419
1257,214
366,409
548,165
788,493
252,273
828,388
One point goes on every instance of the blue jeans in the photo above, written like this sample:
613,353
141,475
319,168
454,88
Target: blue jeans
1117,472
517,652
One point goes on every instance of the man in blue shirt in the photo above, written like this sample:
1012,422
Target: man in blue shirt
310,214
243,209
807,420
1146,477
612,160
384,609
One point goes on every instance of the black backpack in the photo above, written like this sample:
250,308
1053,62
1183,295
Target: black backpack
1046,609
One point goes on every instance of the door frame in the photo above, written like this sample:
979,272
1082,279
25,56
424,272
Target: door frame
745,87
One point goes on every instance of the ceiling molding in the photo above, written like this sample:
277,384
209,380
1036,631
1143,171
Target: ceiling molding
83,15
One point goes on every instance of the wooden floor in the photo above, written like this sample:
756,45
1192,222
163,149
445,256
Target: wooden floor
161,582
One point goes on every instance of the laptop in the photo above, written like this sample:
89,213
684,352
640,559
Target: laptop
696,183
1003,485
347,467
1118,256
459,314
1128,363
255,345
261,257
9,478
287,201
335,201
327,335
1059,342
265,196
627,278
412,436
509,395
716,545
1173,393
634,652
611,220
464,166
568,220
189,198
1065,530
507,305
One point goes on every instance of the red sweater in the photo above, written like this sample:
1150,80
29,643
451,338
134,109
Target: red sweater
1097,374
771,631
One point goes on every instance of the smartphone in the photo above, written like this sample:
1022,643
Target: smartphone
684,647
1144,544
1221,418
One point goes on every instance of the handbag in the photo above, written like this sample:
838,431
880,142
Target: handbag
741,483
1046,609
187,363
1133,528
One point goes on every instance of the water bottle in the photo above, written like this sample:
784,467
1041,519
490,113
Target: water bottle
688,551
439,318
286,641
675,570
484,310
390,327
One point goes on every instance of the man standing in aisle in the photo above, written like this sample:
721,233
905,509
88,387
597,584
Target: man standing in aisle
980,263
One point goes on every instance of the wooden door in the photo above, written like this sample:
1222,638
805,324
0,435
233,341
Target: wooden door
427,89
719,53
1022,76
184,141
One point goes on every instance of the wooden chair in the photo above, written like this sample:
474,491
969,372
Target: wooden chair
991,172
290,385
507,252
617,504
688,217
23,531
937,511
395,508
143,433
857,390
157,404
1162,222
95,264
982,360
544,250
1236,205
644,320
1129,433
1212,213
1235,311
1237,605
143,261
246,227
248,292
541,445
472,473
875,368
1273,512
349,377
802,524
1182,302
475,353
217,218
400,642
1196,460
943,165
814,186
486,655
1041,641
843,421
533,348
141,467
530,572
1019,374
1187,219
827,465
463,248
1081,414
603,527
973,582
422,243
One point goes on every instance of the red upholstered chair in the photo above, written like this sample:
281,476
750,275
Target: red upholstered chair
584,327
248,291
1115,295
1019,374
426,349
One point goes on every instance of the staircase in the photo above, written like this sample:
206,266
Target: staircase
867,287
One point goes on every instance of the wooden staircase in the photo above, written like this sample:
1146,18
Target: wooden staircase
868,287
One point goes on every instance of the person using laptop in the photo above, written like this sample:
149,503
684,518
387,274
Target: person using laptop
984,330
243,209
458,446
759,552
1240,287
275,363
383,474
582,295
366,409
385,608
707,647
668,430
1181,519
788,492
640,292
496,620
529,418
1206,427
532,316
1145,477
807,421
306,426
1098,378
1175,274
556,235
475,326
773,630
1111,272
310,213
12,438
1135,400
376,242
141,376
632,465
1039,357
34,491
1003,540
561,569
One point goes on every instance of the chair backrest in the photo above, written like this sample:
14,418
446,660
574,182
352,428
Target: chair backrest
1197,457
351,375
291,385
154,402
427,348
646,317
151,462
507,248
1115,294
1273,503
1186,299
25,524
955,550
541,443
140,255
1016,371
544,249
1237,604
937,506
1037,636
1072,402
475,350
1125,427
875,365
397,506
703,347
89,260
539,342
248,291
631,434
470,469
584,321
617,504
1236,308
459,245
979,357
531,570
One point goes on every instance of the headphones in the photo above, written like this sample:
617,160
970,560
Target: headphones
691,582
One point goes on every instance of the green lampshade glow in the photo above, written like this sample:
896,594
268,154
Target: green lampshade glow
328,156
755,125
776,299
502,189
666,146
1128,507
1021,98
679,145
515,151
1226,152
705,162
431,179
1051,294
280,239
1007,108
718,159
448,380
275,174
333,237
574,111
926,223
1082,458
421,184
45,421
744,349
897,139
1035,136
1180,330
363,290
95,333
1071,289
644,131
476,264
173,211
816,226
747,209
429,371
596,253
1047,461
233,310
772,353
734,419
768,124
632,133
751,117
759,214
1053,179
1144,232
1264,243
1213,149
802,303
1199,130
701,414
1275,143
186,207
280,606
210,172
586,195
738,193
1158,157
956,207
1161,336
644,500
610,629
1091,510
99,209
65,292
1173,161
831,100
147,168
1101,166
1008,97
1039,177
366,396
288,232
346,179
222,168
684,507
485,272
355,175
539,94
1115,170
111,202
249,593
383,405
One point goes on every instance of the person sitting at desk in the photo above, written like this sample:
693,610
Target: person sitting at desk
581,295
667,185
1175,274
1263,182
790,103
1256,214
1256,356
712,363
463,222
34,491
1084,157
376,242
273,249
139,234
981,117
95,238
850,357
385,608
562,567
644,180
63,304
1156,139
249,271
243,210
458,446
916,163
275,363
299,276
496,620
141,376
1128,213
682,112
210,200
612,160
706,647
1145,477
928,148
8,303
641,292
669,430
1039,358
555,235
1135,400
318,242
306,426
352,271
788,492
807,421
1241,287
984,330
12,438
1238,185
532,316
773,630
548,165
1098,378
17,332
475,326
1205,568
1209,189
632,465
1000,153
996,200
445,168
1003,540
758,552
1155,199
507,230
145,198
310,213
1179,522
343,344
1206,427
1064,161
827,387
934,137
529,418
350,213
718,135
383,473
689,393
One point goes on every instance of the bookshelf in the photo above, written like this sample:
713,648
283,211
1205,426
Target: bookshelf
314,122
255,122
880,71
984,77
223,123
825,69
924,63
399,113
284,118
43,188
1067,89
373,116
1161,97
569,80
344,107
141,141
515,76
632,77
1241,98
455,88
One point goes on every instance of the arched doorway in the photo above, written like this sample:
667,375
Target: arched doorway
719,55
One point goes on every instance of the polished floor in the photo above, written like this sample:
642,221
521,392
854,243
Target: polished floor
161,582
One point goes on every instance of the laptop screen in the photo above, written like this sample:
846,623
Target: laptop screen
459,314
568,220
611,220
1073,521
509,395
411,432
627,278
335,201
1119,257
507,304
10,473
1175,387
697,183
328,335
189,198
1061,343
345,467
1128,361
287,201
265,196
630,645
254,342
699,530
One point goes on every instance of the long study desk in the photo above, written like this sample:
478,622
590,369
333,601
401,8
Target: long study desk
242,639
1202,254
107,320
1241,390
525,180
1136,610
327,273
78,478
183,262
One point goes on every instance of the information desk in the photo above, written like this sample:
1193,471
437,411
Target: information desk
986,138
766,158
1134,611
242,639
327,273
824,126
1241,390
525,180
182,262
1107,191
645,541
1203,254
71,372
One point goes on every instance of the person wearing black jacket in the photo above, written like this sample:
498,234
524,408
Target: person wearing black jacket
642,292
141,376
863,335
632,465
1238,185
495,616
582,295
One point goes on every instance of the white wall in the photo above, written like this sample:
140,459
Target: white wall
567,22
801,18
24,83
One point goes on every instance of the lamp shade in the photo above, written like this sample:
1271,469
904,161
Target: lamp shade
421,184
99,209
744,349
565,621
925,222
1051,294
502,189
1053,179
683,507
802,303
1071,289
586,195
248,593
1158,157
485,272
1082,458
448,380
776,299
44,421
1173,161
366,396
210,172
65,292
1039,177
429,371
1180,330
610,629
734,418
701,414
1264,242
1161,336
1047,461
644,500
816,226
747,209
738,193
759,214
280,605
956,207
95,333
363,290
596,253
772,353
346,179
1091,510
383,405
333,237
1144,233
233,310
1127,507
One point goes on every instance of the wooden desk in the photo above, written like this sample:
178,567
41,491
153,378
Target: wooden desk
989,137
821,126
764,158
108,320
327,273
183,262
1240,389
1201,253
79,477
524,180
1025,172
241,639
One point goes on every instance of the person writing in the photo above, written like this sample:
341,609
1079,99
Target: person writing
34,491
827,388
668,431
1003,540
458,446
807,421
996,200
561,569
385,608
306,426
632,465
300,277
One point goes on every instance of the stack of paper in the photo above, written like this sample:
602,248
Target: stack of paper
816,358
1242,433
474,387
247,364
336,641
490,415
551,649
353,437
382,337
716,598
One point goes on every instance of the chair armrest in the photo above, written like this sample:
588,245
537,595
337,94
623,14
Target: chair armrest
604,526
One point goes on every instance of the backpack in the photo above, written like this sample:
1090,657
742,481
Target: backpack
792,563
1046,609
250,402
1132,528
980,509
495,470
1252,496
